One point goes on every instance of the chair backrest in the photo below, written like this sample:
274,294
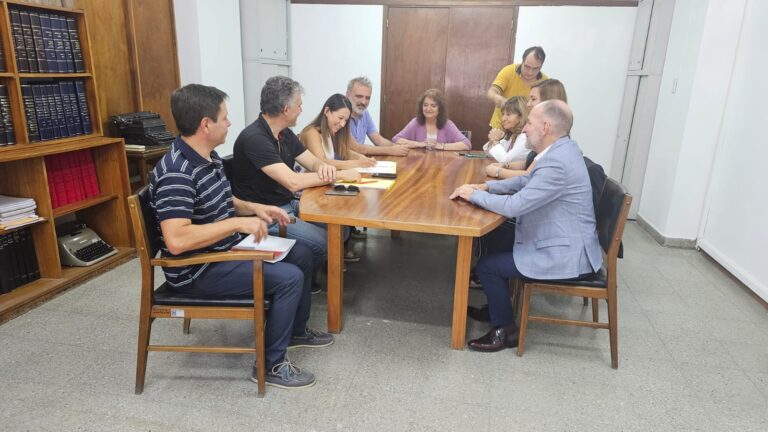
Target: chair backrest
468,134
597,178
611,215
227,162
145,228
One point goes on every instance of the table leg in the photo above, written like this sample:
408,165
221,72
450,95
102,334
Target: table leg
461,292
335,278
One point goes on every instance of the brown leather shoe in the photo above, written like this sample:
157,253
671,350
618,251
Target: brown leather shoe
496,340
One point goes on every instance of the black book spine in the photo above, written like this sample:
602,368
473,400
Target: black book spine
37,35
61,120
74,39
51,106
3,138
18,41
49,42
69,57
5,110
31,256
10,250
18,252
82,102
69,118
30,112
43,115
5,265
29,41
69,89
2,60
58,39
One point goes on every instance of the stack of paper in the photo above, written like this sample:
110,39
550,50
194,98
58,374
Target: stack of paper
278,245
382,167
16,212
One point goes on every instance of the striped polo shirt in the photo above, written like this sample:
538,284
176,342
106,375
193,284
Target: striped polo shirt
184,185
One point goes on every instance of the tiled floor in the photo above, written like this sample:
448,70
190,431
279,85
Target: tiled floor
693,351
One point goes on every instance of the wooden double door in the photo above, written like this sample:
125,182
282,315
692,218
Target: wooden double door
458,50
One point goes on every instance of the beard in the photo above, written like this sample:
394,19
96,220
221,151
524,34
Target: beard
359,110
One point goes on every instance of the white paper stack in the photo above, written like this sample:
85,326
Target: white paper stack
16,212
278,245
382,167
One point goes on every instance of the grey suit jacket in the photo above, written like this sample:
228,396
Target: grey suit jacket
555,235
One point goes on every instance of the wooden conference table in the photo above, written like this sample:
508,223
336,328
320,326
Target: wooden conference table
417,202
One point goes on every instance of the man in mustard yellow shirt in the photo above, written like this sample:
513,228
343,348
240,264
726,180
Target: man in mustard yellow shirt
516,80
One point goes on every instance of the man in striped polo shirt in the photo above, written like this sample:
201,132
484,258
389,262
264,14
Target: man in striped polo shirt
197,213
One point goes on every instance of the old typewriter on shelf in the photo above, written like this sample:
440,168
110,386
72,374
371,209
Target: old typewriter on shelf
80,246
144,128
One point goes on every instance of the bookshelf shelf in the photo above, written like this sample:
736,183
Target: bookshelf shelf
53,75
42,289
24,166
7,230
84,204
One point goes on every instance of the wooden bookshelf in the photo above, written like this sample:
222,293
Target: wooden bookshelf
23,173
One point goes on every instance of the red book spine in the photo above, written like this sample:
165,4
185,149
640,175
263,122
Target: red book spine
49,161
69,178
78,159
58,180
93,178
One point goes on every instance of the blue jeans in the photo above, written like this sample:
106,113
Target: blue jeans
287,282
312,235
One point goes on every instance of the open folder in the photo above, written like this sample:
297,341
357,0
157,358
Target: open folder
278,245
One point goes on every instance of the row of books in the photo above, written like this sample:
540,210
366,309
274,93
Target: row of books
45,42
18,263
2,61
71,177
56,109
7,133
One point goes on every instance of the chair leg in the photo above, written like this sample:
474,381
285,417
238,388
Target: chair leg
524,318
517,295
613,328
145,330
595,310
258,325
187,321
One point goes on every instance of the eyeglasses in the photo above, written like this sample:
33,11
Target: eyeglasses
348,188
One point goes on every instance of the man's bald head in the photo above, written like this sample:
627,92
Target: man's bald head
559,116
547,122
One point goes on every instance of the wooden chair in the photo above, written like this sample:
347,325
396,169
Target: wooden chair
468,134
611,216
163,303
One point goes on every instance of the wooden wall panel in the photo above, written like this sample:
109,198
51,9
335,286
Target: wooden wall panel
111,56
158,70
472,62
415,50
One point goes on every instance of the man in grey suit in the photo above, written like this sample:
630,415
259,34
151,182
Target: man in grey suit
555,235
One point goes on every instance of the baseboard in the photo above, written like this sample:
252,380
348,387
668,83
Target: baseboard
665,241
758,288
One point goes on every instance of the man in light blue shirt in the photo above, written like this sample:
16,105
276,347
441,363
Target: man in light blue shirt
361,123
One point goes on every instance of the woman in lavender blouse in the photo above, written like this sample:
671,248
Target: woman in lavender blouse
431,128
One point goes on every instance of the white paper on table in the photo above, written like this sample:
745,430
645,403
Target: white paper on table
279,245
382,167
498,153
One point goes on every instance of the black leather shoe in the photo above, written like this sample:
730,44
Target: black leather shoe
479,314
496,340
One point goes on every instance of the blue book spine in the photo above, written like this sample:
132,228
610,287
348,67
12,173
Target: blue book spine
82,102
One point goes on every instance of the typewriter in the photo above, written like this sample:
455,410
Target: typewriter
142,128
80,246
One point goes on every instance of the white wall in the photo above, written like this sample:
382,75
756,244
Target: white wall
735,231
694,91
208,35
331,44
589,54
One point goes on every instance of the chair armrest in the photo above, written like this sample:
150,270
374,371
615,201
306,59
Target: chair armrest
239,255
